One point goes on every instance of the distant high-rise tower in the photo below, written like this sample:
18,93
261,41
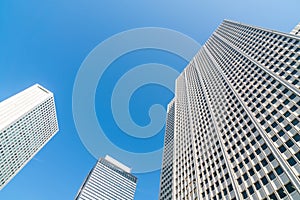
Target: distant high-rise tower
236,129
27,122
108,180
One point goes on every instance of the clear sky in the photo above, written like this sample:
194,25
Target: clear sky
45,42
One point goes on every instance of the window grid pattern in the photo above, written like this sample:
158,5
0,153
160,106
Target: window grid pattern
167,165
275,106
237,117
22,139
278,53
184,186
252,161
107,182
213,172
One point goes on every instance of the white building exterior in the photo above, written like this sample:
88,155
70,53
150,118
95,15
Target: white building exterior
236,127
167,165
27,122
108,180
296,30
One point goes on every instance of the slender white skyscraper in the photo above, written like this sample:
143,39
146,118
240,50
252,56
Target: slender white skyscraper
167,166
27,122
108,180
236,125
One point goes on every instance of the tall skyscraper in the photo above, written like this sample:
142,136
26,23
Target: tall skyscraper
236,129
167,167
27,122
108,180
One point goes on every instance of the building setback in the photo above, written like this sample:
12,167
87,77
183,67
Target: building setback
236,131
27,122
108,180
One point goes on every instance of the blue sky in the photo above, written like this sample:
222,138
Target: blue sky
46,41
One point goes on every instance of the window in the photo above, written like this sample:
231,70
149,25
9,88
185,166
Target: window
288,127
281,193
289,143
240,181
273,197
251,190
291,161
281,133
279,170
287,113
257,185
268,130
274,138
257,167
271,157
290,187
298,155
294,108
258,151
264,180
251,172
271,175
282,149
295,122
264,162
264,146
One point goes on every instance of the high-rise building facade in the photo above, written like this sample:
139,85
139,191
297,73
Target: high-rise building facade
27,122
236,118
167,166
296,30
108,180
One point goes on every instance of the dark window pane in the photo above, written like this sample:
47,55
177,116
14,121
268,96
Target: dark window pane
244,194
257,185
271,157
279,170
264,162
251,191
290,187
296,137
281,193
291,161
264,180
257,167
289,143
282,149
271,175
298,155
273,197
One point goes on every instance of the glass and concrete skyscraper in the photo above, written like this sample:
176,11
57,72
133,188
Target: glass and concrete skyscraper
27,122
236,129
167,167
108,180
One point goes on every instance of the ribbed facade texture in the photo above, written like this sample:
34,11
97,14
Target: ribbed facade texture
236,118
167,167
108,180
27,122
296,30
